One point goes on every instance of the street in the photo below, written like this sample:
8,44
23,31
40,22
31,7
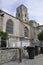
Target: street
36,61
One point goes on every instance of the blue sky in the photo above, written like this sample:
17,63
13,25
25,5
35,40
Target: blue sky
35,8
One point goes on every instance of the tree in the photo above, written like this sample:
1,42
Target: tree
4,37
40,36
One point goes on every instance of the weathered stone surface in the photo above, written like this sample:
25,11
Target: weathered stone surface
8,55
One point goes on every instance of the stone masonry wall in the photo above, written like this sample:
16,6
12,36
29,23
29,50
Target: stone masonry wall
8,54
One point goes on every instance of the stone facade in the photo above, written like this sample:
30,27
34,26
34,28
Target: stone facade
22,14
33,23
18,30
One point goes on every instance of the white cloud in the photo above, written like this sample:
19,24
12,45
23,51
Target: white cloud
35,8
7,4
0,4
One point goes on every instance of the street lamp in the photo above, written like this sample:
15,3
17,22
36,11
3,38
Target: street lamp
0,41
20,50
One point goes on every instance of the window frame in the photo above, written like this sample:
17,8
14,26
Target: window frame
9,26
26,32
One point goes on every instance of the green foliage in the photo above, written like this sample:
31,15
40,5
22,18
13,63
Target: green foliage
0,11
4,37
40,36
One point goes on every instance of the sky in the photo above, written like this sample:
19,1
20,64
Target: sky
35,8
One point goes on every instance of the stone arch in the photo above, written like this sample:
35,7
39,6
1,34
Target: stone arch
9,26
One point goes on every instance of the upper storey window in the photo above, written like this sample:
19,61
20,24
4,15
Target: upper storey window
19,15
26,32
25,15
9,26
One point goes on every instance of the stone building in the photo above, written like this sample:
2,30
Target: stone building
21,31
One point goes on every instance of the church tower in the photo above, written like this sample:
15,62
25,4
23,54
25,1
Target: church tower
22,14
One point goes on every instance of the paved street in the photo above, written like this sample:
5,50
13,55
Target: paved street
36,61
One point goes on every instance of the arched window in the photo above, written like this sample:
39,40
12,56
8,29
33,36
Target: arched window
9,26
26,32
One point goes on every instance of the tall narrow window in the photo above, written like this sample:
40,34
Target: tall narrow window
25,15
9,26
19,15
26,32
